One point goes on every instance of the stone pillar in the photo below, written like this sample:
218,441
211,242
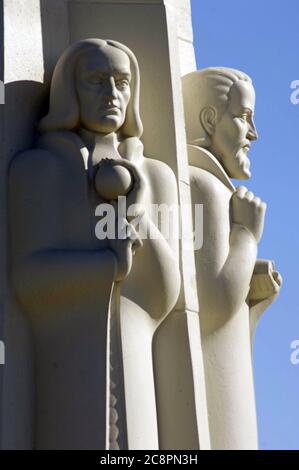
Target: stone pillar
23,77
26,76
160,34
181,10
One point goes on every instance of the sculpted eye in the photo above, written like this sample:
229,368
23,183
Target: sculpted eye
122,84
96,80
242,116
245,115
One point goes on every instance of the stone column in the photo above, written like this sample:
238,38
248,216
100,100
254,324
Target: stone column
160,34
23,75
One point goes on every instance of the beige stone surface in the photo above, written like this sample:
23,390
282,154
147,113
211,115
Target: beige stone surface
53,26
219,110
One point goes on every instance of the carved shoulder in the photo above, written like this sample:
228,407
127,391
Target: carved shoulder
206,186
68,146
36,165
162,181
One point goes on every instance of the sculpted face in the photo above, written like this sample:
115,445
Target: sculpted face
235,130
103,89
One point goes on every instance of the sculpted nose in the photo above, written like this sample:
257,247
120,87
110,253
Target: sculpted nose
111,90
252,132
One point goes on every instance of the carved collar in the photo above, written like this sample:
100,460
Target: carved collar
202,158
68,143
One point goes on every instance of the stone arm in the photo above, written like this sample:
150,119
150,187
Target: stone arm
264,289
156,264
50,271
226,260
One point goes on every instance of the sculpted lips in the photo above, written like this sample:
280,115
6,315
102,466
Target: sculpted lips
246,145
111,107
243,146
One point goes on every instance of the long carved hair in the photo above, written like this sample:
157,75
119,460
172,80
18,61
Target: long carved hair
64,107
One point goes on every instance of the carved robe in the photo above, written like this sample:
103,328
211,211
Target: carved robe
94,376
226,328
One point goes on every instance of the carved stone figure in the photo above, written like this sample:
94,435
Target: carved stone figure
234,287
94,304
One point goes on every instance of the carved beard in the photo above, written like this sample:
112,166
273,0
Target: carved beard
243,164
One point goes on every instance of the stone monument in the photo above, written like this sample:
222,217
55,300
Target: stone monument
118,335
234,287
93,309
74,368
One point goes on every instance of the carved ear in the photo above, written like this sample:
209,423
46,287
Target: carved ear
208,117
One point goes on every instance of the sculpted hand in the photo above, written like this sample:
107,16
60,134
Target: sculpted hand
137,190
249,211
124,249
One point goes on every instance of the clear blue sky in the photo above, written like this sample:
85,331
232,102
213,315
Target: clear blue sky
261,38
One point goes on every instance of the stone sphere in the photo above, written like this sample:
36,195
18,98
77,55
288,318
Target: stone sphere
112,181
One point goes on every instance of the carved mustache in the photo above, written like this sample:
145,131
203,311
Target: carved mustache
110,105
245,144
